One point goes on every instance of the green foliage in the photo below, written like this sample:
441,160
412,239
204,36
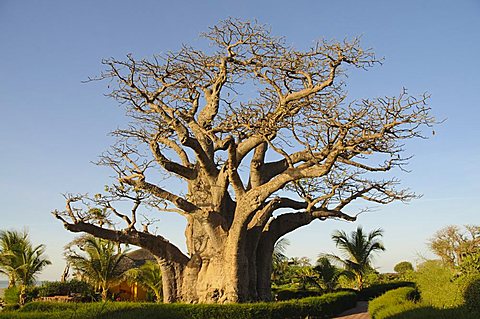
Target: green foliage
149,276
327,274
379,289
297,273
314,307
452,244
11,295
11,307
423,311
358,248
472,293
98,262
393,309
470,263
294,293
58,288
403,267
19,259
393,302
438,286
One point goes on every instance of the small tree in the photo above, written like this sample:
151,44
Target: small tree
97,261
452,243
12,243
327,274
403,267
358,249
19,259
149,276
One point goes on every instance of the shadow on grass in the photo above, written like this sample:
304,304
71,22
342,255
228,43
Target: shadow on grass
435,313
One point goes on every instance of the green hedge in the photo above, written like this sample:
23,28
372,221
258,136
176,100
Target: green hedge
379,289
315,307
282,294
12,296
471,293
402,304
66,288
393,302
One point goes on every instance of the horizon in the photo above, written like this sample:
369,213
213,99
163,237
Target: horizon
53,125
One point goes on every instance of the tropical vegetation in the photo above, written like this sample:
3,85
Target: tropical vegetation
327,305
96,261
358,248
148,276
20,260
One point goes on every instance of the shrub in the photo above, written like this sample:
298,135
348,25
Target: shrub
12,295
437,285
48,306
403,267
330,304
472,293
292,293
379,289
313,307
393,302
66,288
11,307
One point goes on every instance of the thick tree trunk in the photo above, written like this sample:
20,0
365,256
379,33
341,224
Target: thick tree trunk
220,274
264,268
172,276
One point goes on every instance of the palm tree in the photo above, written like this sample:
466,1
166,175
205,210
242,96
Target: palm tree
19,260
98,262
358,248
148,276
327,274
32,263
279,261
10,243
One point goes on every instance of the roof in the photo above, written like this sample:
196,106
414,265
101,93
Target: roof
135,259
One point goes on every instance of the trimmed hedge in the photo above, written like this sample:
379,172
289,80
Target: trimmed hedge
315,307
65,288
472,293
12,296
282,294
393,302
377,290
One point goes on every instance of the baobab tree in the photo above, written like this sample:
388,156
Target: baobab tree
264,140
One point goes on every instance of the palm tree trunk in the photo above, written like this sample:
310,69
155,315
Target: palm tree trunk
11,280
104,293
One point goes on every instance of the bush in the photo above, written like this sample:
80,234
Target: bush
379,289
292,293
472,293
11,307
48,306
313,307
438,286
403,267
12,296
66,288
393,302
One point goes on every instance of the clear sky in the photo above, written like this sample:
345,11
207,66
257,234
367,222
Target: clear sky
52,125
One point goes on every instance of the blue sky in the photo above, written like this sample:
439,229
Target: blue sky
52,125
